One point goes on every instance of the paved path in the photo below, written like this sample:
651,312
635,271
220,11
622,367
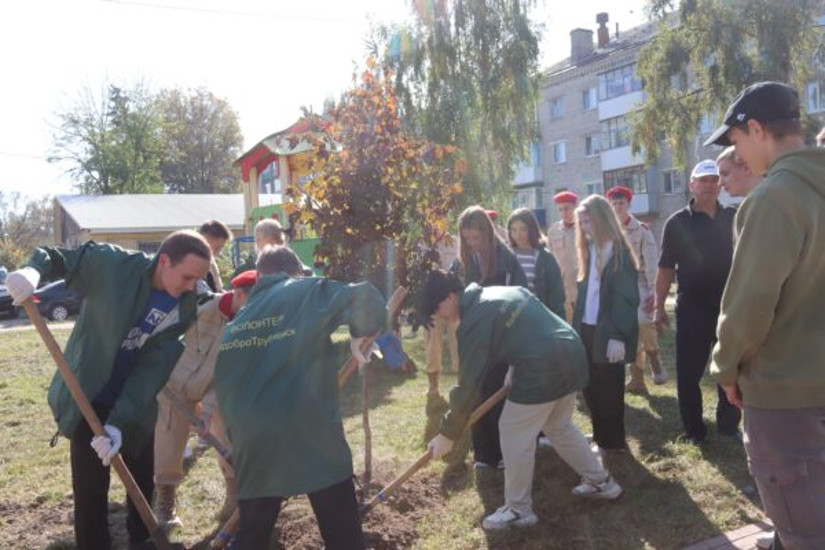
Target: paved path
743,538
22,323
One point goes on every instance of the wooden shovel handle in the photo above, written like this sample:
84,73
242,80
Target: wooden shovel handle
422,461
132,489
183,408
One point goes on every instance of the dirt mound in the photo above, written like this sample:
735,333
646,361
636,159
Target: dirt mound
36,523
387,526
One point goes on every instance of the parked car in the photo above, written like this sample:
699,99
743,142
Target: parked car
56,302
7,309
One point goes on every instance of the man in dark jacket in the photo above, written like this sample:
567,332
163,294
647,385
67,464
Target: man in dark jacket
548,367
122,349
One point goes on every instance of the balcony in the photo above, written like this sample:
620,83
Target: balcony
619,157
621,105
527,174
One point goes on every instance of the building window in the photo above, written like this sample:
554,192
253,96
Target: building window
148,247
535,154
594,188
708,123
556,108
634,177
673,182
815,100
618,82
539,197
559,152
615,133
589,99
592,144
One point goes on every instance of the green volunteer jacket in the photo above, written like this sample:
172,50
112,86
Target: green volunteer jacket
116,284
276,380
509,272
509,324
618,305
548,285
771,324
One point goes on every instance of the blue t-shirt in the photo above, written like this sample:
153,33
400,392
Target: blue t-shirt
159,305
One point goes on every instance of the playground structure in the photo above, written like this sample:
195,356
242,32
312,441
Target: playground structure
286,156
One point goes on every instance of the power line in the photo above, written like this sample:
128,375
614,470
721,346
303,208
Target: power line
232,12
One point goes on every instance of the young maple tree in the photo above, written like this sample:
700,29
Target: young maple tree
377,197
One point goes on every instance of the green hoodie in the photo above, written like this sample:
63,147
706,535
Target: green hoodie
116,284
276,380
773,309
509,324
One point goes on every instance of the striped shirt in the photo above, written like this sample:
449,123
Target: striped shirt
527,261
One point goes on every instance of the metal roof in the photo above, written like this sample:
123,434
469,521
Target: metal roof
151,213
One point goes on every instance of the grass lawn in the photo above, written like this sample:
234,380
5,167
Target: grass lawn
675,493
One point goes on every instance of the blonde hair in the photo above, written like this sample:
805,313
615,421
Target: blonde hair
604,228
728,154
270,230
475,217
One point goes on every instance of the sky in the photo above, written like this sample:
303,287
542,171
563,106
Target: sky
266,58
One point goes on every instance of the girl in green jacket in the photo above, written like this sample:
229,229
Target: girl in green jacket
605,316
488,261
539,266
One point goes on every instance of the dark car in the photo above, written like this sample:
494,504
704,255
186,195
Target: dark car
56,302
7,308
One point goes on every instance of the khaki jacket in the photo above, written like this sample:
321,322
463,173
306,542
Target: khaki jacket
644,246
561,241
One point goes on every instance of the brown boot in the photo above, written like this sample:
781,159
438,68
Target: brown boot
230,501
165,507
636,384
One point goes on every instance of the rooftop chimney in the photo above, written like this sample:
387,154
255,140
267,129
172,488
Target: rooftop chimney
604,33
581,44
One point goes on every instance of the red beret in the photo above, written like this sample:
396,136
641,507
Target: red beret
492,214
566,197
247,278
620,191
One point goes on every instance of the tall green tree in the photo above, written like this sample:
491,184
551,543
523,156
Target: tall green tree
467,75
24,224
110,143
202,138
705,52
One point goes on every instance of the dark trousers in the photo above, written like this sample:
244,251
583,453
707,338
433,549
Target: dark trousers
486,443
336,511
604,395
90,485
786,455
695,337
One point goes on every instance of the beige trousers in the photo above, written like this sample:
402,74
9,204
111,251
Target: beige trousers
435,345
520,424
171,434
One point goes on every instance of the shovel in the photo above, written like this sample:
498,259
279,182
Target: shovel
480,411
145,511
181,406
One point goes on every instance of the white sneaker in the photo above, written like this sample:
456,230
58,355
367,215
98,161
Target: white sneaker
765,542
544,443
660,378
607,489
505,517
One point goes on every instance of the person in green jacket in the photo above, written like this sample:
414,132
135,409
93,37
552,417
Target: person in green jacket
606,316
540,267
276,381
769,357
484,258
510,325
122,349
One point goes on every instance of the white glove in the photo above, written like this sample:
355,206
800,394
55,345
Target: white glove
22,283
508,378
355,347
439,446
107,446
615,351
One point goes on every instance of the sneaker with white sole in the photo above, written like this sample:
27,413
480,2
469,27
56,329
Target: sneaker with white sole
544,442
765,542
607,489
506,517
660,378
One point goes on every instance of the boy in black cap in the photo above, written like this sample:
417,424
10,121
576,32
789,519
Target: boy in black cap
769,355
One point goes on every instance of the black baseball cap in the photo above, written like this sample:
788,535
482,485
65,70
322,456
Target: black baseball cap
763,102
